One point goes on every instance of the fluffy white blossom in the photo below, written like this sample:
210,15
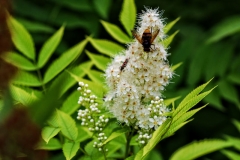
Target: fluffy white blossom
136,78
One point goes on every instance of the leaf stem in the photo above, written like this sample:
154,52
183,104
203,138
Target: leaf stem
129,137
41,80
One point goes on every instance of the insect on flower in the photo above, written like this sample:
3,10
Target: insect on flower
146,39
124,64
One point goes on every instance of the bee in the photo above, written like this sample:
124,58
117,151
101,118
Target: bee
146,39
124,64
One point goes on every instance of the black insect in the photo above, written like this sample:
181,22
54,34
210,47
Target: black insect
146,39
124,64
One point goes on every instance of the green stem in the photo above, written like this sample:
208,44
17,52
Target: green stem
41,80
129,137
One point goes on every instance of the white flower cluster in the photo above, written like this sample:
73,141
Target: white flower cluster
136,77
90,114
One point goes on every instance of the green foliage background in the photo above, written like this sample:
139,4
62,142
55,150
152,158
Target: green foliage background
208,44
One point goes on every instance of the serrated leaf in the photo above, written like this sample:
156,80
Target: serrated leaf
106,47
53,120
179,121
26,79
181,109
24,96
116,32
173,68
19,61
128,15
199,148
170,25
83,134
67,125
96,76
228,91
49,47
225,28
169,39
62,62
157,135
21,38
70,149
70,105
99,60
235,141
49,132
53,144
230,154
195,92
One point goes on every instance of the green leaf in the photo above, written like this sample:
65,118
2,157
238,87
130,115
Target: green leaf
70,105
169,101
19,61
83,133
128,15
230,154
67,125
225,28
199,148
96,76
235,141
97,89
99,60
34,26
21,38
106,47
157,135
49,132
116,32
194,93
102,7
170,25
169,39
49,47
179,121
229,92
234,78
181,109
62,62
116,134
70,149
237,124
173,68
26,79
25,96
215,100
53,144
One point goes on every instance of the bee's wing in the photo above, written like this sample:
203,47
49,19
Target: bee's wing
154,35
137,36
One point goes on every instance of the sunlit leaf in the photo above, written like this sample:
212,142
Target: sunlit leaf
21,38
53,144
170,25
70,104
128,15
26,79
99,60
67,125
70,149
116,32
49,132
199,148
49,47
169,39
106,47
62,62
96,76
19,61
